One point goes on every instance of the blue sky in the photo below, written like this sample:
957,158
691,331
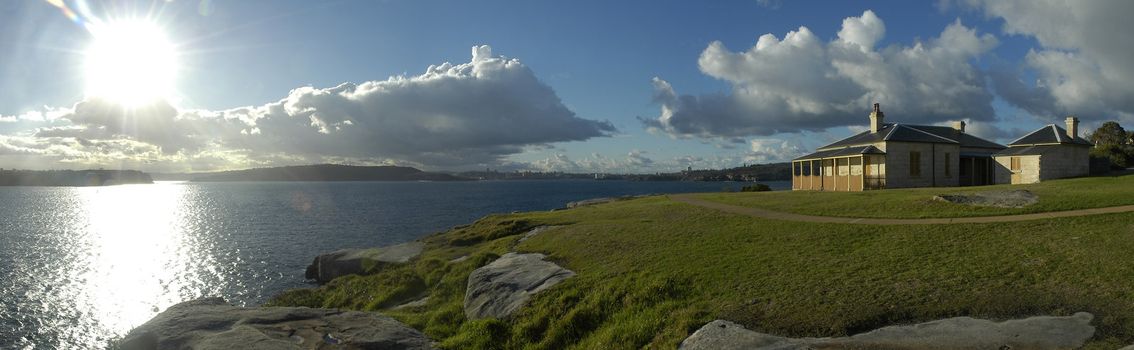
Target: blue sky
581,95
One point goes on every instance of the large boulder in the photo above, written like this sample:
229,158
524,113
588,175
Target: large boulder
1041,332
327,267
503,286
214,324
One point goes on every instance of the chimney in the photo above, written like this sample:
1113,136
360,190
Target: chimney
876,119
1072,127
959,126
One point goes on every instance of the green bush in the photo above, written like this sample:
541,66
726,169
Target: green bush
756,188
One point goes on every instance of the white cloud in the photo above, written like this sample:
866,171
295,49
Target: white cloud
557,162
863,31
472,113
1083,65
758,151
773,150
638,159
803,83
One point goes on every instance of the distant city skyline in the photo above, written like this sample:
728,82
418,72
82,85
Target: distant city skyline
623,87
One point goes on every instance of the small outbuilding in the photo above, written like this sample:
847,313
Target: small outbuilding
1048,153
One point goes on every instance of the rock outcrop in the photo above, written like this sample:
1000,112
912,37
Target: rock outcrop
593,201
214,324
503,286
1041,332
533,232
327,267
1000,199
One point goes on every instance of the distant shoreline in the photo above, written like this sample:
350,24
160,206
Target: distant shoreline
73,178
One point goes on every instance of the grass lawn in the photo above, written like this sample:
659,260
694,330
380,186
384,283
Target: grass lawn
1056,195
651,271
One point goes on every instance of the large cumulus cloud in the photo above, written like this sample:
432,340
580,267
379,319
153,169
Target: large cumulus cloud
477,112
1083,65
803,83
469,113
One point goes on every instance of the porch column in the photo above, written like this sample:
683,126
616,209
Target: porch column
811,179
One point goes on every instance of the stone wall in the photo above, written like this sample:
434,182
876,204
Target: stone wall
932,164
1065,161
1029,169
1059,162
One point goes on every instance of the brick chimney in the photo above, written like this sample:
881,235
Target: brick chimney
1072,127
876,119
959,126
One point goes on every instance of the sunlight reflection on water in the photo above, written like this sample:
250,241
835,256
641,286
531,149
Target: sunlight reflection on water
140,260
125,255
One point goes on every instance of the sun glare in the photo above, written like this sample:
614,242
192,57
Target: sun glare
130,62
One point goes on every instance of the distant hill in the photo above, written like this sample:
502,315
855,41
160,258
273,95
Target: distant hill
326,172
72,177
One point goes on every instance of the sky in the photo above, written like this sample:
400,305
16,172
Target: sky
578,86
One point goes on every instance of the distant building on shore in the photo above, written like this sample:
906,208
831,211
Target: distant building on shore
894,155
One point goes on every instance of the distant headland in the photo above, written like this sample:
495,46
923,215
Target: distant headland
326,172
72,177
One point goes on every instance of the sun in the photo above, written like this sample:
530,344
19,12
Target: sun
130,62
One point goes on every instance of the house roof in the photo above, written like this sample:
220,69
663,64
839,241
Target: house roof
915,133
1027,150
842,152
1050,134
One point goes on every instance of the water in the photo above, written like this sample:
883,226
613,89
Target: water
82,266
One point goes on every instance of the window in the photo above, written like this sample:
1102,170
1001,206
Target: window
1015,164
843,165
827,168
948,173
797,167
915,164
856,166
805,168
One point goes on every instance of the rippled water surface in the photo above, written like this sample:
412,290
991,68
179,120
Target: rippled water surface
82,266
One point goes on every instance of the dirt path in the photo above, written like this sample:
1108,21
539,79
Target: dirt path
776,215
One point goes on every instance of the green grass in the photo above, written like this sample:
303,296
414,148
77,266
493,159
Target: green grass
1056,195
651,271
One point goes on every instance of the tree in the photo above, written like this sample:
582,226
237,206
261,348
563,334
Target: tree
1110,133
1112,142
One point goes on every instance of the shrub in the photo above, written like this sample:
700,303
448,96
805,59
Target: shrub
756,188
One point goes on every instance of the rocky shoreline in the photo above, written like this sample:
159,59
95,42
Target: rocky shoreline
495,290
212,323
500,286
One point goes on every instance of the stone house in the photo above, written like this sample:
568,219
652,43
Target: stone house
898,155
1048,153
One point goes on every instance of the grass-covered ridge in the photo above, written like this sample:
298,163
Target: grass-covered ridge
650,271
1056,195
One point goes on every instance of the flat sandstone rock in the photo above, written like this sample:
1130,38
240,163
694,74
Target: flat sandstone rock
214,324
503,286
1040,332
327,267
